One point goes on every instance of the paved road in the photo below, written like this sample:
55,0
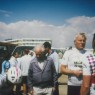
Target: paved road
63,88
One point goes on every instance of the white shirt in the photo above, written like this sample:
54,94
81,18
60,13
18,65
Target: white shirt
89,69
73,60
24,64
55,58
60,61
41,64
13,61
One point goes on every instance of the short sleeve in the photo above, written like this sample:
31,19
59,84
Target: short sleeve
86,66
65,58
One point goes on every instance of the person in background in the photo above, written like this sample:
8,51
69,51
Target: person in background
14,63
51,53
6,88
6,64
24,66
31,54
13,60
89,72
60,55
42,75
72,64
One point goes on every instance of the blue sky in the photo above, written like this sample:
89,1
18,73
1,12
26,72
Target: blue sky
50,11
54,19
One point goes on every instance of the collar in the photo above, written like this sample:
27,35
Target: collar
81,51
52,51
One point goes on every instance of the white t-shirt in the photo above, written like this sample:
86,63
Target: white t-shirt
24,64
73,60
89,69
41,64
55,58
13,61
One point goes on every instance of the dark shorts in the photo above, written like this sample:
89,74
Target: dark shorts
73,90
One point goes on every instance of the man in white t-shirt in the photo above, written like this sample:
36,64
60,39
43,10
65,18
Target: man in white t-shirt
89,72
24,66
72,64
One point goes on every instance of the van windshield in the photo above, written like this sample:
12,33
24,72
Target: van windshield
20,49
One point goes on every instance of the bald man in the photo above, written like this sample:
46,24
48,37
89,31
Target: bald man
42,75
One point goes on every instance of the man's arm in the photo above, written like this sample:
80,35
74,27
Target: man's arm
85,85
65,70
56,62
55,79
86,76
64,65
29,78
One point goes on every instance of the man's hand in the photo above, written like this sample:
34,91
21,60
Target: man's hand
30,92
77,73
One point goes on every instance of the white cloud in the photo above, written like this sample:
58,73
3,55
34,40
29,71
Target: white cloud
62,36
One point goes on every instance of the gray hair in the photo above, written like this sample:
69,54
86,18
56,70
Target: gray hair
40,47
80,34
